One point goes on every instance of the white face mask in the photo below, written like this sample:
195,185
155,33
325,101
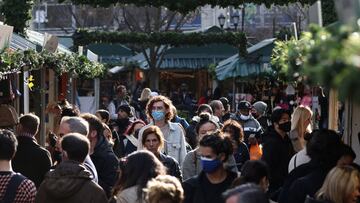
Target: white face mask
243,117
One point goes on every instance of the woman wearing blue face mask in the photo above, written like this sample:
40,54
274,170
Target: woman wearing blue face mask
215,148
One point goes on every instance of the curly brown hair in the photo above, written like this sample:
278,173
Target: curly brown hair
167,103
219,143
237,132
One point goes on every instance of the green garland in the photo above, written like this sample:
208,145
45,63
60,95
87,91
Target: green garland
85,37
186,6
323,57
16,61
17,13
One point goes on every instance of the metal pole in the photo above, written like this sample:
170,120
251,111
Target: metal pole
295,31
243,18
26,92
97,93
233,99
42,107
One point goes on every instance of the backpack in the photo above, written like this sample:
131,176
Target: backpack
11,188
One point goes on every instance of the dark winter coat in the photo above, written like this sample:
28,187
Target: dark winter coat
172,166
241,155
298,172
312,200
307,185
277,152
119,148
70,182
31,160
106,164
194,189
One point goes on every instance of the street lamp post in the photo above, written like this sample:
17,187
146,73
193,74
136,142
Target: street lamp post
221,20
235,19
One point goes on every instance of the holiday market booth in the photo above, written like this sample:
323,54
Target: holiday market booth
241,75
189,65
31,73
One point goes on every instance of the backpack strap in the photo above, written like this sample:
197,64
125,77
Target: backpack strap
195,160
295,161
12,187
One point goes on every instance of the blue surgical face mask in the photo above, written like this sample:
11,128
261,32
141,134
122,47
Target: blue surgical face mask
158,115
210,165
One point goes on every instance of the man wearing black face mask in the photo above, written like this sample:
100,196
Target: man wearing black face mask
277,150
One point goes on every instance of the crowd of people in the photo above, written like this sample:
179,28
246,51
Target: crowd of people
141,151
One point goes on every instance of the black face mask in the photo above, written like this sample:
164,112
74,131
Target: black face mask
255,115
286,127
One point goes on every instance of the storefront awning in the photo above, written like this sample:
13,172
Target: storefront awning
190,57
20,43
257,61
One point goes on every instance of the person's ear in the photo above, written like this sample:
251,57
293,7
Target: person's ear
64,155
222,157
264,183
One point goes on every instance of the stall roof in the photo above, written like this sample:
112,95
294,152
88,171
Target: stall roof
20,43
190,57
38,38
103,49
257,61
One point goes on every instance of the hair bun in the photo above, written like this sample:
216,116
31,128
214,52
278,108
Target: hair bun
204,116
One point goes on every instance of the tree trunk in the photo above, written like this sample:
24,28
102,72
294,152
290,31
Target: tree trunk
153,78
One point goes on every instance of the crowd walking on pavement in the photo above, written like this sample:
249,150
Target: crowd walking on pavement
141,150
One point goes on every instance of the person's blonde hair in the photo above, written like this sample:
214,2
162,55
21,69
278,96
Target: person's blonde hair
164,188
157,132
298,118
145,94
340,182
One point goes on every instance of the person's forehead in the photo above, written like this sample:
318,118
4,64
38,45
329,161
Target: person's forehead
159,103
284,116
205,151
64,128
207,127
151,136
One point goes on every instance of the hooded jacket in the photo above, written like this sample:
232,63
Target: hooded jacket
69,182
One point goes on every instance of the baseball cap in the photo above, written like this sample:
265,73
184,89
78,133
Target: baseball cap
125,108
244,105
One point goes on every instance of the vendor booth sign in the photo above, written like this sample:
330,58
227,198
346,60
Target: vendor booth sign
5,36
